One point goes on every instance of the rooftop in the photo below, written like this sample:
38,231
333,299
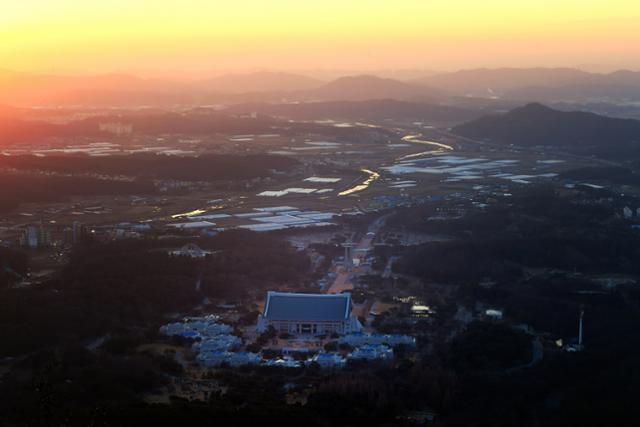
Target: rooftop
312,307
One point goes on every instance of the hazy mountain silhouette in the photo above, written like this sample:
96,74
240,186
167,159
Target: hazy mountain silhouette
121,89
487,82
535,83
365,87
620,77
536,124
33,89
531,84
264,81
588,92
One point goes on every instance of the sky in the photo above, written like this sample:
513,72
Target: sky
184,38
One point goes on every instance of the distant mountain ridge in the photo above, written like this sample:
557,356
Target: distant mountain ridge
531,84
535,124
25,89
366,87
497,82
576,93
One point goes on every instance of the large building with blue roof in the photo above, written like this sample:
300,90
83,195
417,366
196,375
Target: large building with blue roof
309,314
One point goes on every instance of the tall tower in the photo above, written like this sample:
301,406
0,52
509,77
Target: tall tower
580,329
348,255
76,232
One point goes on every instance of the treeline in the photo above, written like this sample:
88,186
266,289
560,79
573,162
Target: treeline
489,347
535,229
122,292
199,121
18,189
537,257
575,382
14,266
505,257
202,168
196,122
20,130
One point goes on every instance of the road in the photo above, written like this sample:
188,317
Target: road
342,281
537,353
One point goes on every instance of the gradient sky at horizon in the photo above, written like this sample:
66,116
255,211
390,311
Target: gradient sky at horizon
185,37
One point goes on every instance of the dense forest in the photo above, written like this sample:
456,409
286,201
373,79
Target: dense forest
75,174
541,257
198,121
13,266
20,130
125,289
127,283
17,189
534,229
202,168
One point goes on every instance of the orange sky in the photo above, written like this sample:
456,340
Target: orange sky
193,36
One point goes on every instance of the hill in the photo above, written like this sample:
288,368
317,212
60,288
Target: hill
535,124
24,89
493,82
365,87
620,77
539,84
32,89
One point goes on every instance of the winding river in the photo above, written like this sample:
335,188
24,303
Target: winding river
440,147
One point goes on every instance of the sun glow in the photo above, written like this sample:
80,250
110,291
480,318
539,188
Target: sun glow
112,35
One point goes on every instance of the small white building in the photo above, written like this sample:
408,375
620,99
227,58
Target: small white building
372,352
217,343
284,362
359,339
194,225
191,250
493,314
217,358
329,360
197,327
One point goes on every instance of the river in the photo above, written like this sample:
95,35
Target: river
416,140
363,185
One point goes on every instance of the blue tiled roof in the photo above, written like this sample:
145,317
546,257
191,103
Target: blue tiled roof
311,307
